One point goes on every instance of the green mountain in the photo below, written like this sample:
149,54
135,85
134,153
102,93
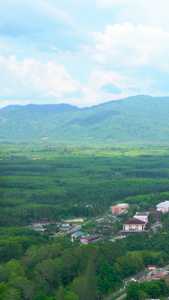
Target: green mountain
137,119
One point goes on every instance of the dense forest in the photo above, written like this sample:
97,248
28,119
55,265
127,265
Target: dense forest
49,183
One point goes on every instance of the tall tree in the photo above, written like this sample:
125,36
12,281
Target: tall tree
108,280
133,291
90,281
60,293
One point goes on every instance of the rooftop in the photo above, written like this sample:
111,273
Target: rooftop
79,233
160,275
163,204
122,204
135,221
142,213
91,237
152,266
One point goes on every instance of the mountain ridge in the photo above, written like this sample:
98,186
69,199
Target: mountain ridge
42,108
137,118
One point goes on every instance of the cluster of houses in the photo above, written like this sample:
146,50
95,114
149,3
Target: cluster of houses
140,219
133,225
65,226
164,275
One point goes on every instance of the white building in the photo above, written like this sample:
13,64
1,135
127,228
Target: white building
163,207
134,225
142,216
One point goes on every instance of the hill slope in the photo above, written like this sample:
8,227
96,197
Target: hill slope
139,118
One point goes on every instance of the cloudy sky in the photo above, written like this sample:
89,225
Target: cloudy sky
82,52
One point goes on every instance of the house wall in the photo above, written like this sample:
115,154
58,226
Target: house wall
116,210
119,209
128,227
163,209
86,241
152,267
163,206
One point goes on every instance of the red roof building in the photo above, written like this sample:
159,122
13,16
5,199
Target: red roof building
152,267
160,276
134,225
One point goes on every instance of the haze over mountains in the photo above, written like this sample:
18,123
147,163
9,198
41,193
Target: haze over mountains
133,119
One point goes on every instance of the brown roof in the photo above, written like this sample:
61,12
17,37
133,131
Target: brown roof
134,221
155,213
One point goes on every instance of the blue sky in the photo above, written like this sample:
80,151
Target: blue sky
82,52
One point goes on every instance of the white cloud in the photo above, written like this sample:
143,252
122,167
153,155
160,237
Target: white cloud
129,45
77,48
101,77
48,79
93,92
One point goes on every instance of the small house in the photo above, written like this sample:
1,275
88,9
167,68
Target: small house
120,208
152,267
66,227
90,238
75,235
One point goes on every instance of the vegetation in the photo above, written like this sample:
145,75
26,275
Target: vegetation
42,183
153,289
135,119
54,183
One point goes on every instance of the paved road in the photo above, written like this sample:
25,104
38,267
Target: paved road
74,229
144,275
122,297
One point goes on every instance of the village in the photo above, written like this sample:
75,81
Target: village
138,223
86,231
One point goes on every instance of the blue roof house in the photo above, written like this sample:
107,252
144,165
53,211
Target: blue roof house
75,235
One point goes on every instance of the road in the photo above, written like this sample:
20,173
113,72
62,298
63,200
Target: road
74,229
122,297
142,276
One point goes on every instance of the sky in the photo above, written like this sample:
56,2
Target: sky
82,52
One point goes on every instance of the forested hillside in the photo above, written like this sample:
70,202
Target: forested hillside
135,119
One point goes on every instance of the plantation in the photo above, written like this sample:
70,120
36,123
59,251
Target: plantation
49,183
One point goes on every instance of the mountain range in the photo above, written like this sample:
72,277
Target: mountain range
133,119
